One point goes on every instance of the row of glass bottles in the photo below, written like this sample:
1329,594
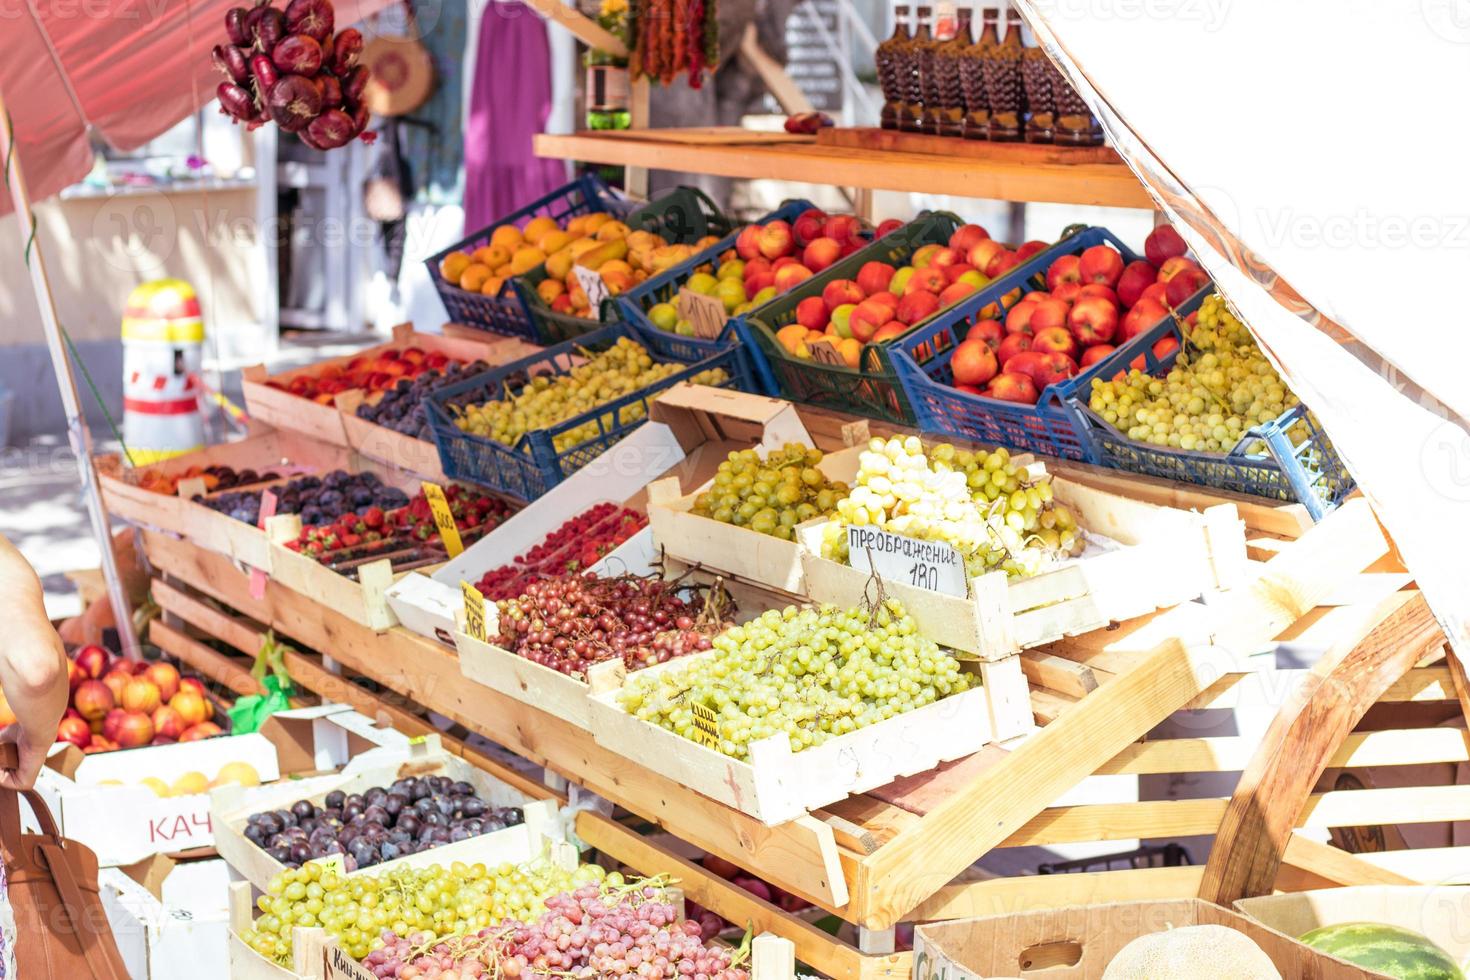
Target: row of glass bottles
941,79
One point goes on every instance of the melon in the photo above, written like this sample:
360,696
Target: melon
1390,950
1196,952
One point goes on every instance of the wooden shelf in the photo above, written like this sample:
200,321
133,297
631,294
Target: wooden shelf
1011,173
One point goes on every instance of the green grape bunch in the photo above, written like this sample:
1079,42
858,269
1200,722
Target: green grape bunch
771,495
810,674
1219,388
992,510
548,399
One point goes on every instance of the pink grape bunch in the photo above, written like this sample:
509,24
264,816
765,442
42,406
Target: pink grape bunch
584,935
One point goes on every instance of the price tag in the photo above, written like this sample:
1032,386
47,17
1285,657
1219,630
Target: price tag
331,862
592,284
192,487
931,565
824,353
706,727
474,612
443,518
705,313
267,511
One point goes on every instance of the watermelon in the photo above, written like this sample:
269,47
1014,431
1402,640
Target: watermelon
1400,953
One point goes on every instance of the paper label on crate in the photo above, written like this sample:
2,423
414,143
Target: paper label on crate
706,726
267,511
474,612
443,518
824,353
192,487
706,314
341,966
592,284
330,862
932,565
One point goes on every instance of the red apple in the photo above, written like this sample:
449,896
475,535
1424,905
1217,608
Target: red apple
841,324
1011,387
887,226
1028,249
1162,348
74,730
1094,354
970,389
783,262
1067,292
1136,277
1065,268
890,330
1100,263
869,315
840,291
1057,340
1145,314
1001,264
955,292
843,228
1013,344
756,281
758,264
821,253
1162,244
812,313
927,279
809,224
1043,367
788,276
1172,267
915,306
1098,289
1093,320
952,273
983,252
944,258
874,277
94,660
885,297
966,237
973,363
1036,296
748,242
1018,318
1158,292
990,331
776,239
1184,285
1049,313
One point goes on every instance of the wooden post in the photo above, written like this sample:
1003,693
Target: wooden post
77,432
635,179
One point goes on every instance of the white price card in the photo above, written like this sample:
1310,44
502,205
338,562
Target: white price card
591,282
931,565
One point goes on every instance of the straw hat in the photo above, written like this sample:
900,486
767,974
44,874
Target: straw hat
402,75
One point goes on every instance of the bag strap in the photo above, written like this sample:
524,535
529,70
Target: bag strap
63,874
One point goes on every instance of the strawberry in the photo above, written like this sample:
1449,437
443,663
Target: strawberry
373,517
351,540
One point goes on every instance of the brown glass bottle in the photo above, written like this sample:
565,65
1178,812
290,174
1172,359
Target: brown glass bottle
1037,75
947,118
1075,123
1003,89
914,53
887,59
941,33
972,78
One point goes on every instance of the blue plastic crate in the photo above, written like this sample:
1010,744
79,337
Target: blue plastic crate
504,312
921,360
632,307
534,465
1310,473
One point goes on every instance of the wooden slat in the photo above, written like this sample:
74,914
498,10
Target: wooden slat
211,663
217,624
1061,675
1426,864
1006,896
1338,866
1048,706
1232,754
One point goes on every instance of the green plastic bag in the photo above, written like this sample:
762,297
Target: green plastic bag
251,711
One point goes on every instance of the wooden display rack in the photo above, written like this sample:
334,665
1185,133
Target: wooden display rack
894,854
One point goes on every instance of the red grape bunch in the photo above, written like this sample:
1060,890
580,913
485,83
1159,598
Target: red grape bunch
583,935
570,622
289,68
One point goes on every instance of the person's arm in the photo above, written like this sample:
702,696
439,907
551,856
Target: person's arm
32,668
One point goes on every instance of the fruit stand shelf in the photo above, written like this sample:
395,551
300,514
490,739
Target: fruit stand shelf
1011,173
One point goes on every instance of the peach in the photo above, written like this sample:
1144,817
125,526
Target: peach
141,695
133,730
191,707
168,723
94,660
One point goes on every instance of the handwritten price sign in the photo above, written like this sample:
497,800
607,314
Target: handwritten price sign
591,282
474,612
443,518
706,727
931,565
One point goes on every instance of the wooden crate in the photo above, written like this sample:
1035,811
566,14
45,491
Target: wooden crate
512,844
324,422
778,785
556,693
1163,556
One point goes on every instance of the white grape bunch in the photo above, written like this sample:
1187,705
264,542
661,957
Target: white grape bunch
993,511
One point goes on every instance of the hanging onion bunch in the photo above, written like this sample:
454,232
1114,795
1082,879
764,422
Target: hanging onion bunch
289,68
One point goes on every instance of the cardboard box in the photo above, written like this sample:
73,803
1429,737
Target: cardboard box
691,429
1441,912
1078,943
126,823
171,921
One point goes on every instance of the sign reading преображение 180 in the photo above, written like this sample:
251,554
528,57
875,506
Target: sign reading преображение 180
932,565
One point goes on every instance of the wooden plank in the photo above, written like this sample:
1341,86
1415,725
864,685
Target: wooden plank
1047,706
1232,754
813,946
584,28
1059,674
1430,865
218,624
211,663
1119,821
1102,184
1006,896
887,140
802,856
1391,637
1337,866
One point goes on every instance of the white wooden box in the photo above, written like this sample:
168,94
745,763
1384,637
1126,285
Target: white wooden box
542,688
181,932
